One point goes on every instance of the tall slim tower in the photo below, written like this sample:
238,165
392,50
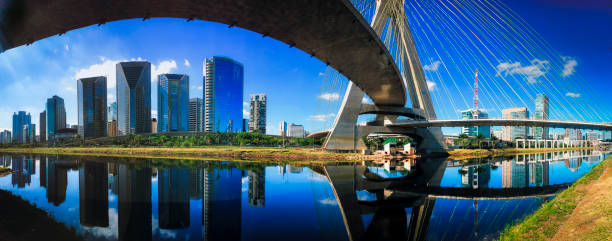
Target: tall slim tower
223,91
196,115
172,103
133,97
42,126
92,107
56,116
257,122
541,113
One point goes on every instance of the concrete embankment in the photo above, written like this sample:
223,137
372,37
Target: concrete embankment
582,212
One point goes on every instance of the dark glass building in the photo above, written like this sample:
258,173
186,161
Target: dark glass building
133,97
42,126
20,119
91,98
223,91
56,116
172,103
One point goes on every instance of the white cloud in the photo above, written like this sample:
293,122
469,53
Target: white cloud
245,113
322,117
328,201
200,87
245,103
569,66
110,97
154,113
431,85
164,67
531,72
573,95
365,100
433,66
106,68
321,74
329,96
67,47
187,63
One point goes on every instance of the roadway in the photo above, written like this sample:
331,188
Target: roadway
501,122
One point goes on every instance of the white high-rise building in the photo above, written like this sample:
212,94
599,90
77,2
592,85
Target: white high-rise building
196,115
257,122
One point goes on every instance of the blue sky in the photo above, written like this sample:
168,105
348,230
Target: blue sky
293,81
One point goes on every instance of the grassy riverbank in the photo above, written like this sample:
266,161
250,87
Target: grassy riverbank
582,212
233,152
508,151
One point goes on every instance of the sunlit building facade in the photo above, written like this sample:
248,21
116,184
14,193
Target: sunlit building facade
91,101
133,97
475,130
172,103
196,115
510,133
257,122
223,91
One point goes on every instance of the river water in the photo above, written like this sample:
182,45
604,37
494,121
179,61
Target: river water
105,198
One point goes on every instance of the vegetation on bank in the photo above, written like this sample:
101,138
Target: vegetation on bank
233,152
192,140
546,222
507,151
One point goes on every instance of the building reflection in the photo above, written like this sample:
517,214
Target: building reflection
42,166
173,198
93,194
221,207
57,181
113,171
135,217
196,183
476,176
23,168
257,187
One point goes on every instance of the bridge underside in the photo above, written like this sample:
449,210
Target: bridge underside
330,30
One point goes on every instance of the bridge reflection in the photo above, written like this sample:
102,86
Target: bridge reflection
418,186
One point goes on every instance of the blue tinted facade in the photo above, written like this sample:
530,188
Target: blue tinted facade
172,103
91,103
223,91
133,97
56,116
20,119
112,111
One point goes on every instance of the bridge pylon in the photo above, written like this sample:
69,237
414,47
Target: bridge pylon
346,135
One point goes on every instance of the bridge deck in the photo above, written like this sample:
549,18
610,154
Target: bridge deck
501,122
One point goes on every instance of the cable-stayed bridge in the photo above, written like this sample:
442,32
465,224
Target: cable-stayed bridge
386,48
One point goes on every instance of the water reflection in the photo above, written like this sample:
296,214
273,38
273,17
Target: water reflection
430,199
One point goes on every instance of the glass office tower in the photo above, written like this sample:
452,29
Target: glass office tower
133,97
510,133
91,103
541,113
172,103
20,119
223,91
56,116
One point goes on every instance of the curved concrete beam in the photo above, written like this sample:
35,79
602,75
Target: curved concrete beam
417,114
330,30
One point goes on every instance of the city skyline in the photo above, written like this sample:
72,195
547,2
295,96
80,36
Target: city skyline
262,73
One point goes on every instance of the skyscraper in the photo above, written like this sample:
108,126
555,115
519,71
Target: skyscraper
172,103
541,113
20,119
196,115
112,111
56,116
223,90
512,132
42,126
5,137
257,122
91,96
133,97
475,130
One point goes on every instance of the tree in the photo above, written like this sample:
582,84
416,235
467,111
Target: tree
480,137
